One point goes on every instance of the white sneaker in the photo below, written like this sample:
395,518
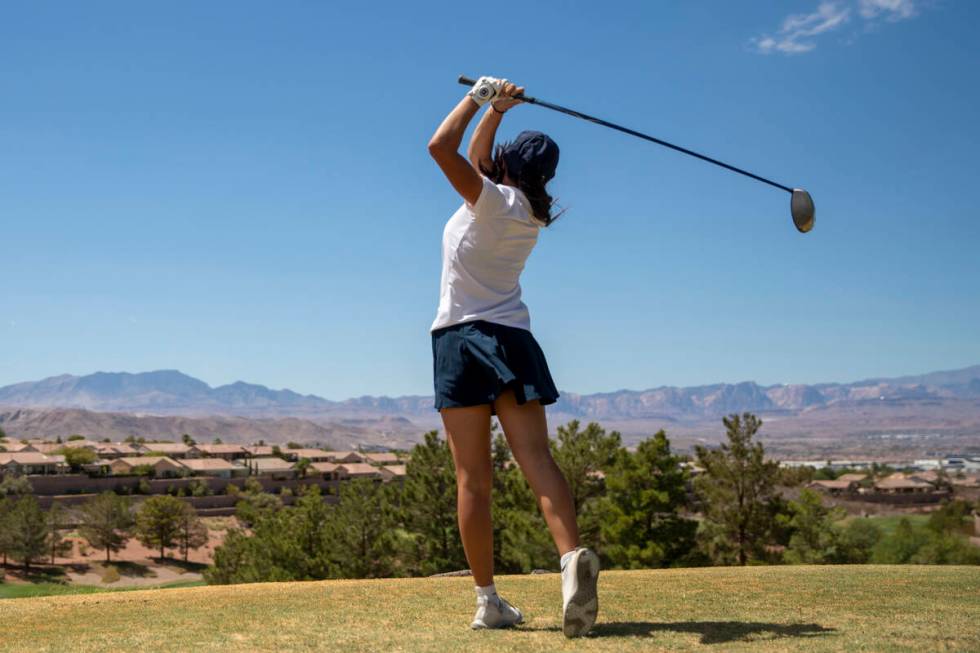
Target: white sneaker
494,612
580,601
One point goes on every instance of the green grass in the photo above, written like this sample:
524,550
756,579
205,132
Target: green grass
805,608
35,590
889,523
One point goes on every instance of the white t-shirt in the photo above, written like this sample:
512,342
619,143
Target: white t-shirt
484,248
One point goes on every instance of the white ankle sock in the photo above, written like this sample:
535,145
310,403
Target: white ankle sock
565,558
488,591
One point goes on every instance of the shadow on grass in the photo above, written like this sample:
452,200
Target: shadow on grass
133,569
711,632
185,567
49,574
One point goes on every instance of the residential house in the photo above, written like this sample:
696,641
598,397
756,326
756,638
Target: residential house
313,455
214,467
225,451
899,484
834,488
161,466
31,463
111,451
855,477
929,476
381,458
327,470
101,467
272,466
393,473
21,447
358,470
344,457
51,447
257,450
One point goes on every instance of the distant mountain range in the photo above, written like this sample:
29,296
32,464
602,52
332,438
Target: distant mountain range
169,392
920,414
48,423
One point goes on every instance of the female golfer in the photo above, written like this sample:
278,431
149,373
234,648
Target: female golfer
486,361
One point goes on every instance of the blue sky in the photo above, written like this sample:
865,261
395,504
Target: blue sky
241,190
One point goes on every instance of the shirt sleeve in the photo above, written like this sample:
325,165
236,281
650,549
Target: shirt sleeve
491,200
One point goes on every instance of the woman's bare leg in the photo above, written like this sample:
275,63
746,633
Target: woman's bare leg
468,432
526,429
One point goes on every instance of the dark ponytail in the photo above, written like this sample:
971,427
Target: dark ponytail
531,183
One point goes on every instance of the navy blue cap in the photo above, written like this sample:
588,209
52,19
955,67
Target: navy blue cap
532,154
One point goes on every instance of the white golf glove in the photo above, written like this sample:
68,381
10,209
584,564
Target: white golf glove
485,90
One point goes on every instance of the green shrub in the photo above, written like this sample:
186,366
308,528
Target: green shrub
110,575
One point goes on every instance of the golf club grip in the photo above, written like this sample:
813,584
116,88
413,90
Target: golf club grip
468,81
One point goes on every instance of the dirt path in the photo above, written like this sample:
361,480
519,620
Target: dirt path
135,565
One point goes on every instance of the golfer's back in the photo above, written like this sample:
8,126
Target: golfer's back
484,249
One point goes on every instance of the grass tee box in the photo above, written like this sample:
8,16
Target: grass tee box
842,608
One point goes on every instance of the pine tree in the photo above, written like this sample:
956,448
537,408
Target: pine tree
252,557
106,521
191,533
57,519
429,508
583,455
736,488
6,507
522,541
254,504
360,534
645,492
28,531
816,533
158,522
858,540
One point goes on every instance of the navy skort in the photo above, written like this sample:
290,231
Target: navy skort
475,362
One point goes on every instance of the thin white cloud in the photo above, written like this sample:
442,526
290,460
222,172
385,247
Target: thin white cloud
889,9
798,32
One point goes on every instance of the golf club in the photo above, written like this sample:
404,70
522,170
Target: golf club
801,204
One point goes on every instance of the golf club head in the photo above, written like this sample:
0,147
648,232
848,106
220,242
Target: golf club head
804,213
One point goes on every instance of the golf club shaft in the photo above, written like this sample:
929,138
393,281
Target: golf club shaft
466,81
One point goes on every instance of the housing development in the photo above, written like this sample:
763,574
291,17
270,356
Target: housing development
68,472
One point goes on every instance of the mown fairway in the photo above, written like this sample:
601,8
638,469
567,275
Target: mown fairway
852,608
27,590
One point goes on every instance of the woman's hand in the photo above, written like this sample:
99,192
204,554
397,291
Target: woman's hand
507,97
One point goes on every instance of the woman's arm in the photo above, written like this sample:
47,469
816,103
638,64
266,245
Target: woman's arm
444,148
480,151
444,144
